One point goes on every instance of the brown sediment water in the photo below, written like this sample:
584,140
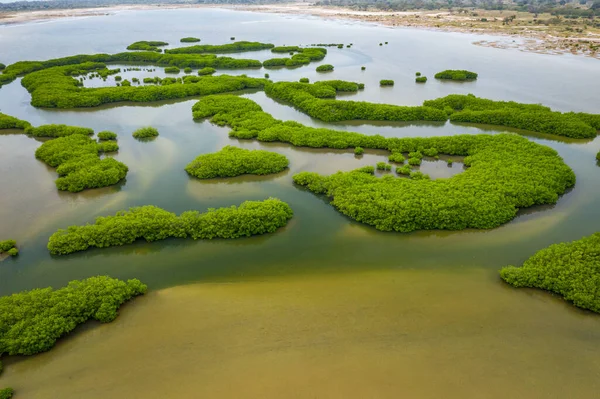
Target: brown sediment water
390,334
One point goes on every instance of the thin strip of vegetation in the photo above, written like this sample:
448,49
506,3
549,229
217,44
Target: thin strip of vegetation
236,47
189,40
58,131
152,224
32,321
147,45
571,270
233,161
10,122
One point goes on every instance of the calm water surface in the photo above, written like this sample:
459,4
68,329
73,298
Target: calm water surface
326,307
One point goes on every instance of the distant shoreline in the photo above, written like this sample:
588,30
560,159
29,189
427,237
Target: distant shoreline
532,38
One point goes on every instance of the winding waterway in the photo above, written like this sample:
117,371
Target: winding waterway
325,307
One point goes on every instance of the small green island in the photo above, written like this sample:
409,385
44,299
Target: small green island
386,82
189,40
325,68
147,132
106,135
453,74
144,45
9,247
152,224
10,122
571,270
233,161
421,79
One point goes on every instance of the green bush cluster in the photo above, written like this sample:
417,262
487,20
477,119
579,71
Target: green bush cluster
359,150
10,122
187,70
107,135
452,74
325,68
505,172
6,393
233,161
147,45
571,270
172,69
386,82
78,164
236,47
285,49
145,132
189,40
533,117
2,66
383,166
304,80
32,321
152,223
396,157
8,247
404,170
54,88
421,79
206,71
58,131
318,101
304,56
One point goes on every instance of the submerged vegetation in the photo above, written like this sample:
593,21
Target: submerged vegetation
236,47
147,45
10,122
145,132
152,224
233,161
571,270
451,74
32,321
78,163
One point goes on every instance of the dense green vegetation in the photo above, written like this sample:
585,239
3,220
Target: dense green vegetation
206,71
55,88
598,156
505,172
236,47
10,122
571,270
32,321
386,82
172,69
106,135
534,117
233,161
383,166
78,163
2,66
325,68
304,56
421,79
304,80
6,393
318,101
145,132
285,49
58,131
359,150
452,74
8,247
147,45
152,223
189,40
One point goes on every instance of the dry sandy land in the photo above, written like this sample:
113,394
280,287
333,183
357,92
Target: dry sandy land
525,31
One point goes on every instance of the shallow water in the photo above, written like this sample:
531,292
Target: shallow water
323,272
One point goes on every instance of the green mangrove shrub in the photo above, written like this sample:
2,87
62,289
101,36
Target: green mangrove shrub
421,79
172,69
147,45
285,49
106,135
10,122
236,47
108,146
145,132
363,68
571,270
58,131
189,40
386,82
325,68
383,166
78,164
6,393
404,170
206,71
418,74
396,157
152,223
598,156
452,74
233,161
32,321
2,66
8,247
304,80
359,150
187,70
118,78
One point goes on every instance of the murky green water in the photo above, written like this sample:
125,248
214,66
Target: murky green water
318,241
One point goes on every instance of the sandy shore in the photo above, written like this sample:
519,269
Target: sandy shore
522,32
